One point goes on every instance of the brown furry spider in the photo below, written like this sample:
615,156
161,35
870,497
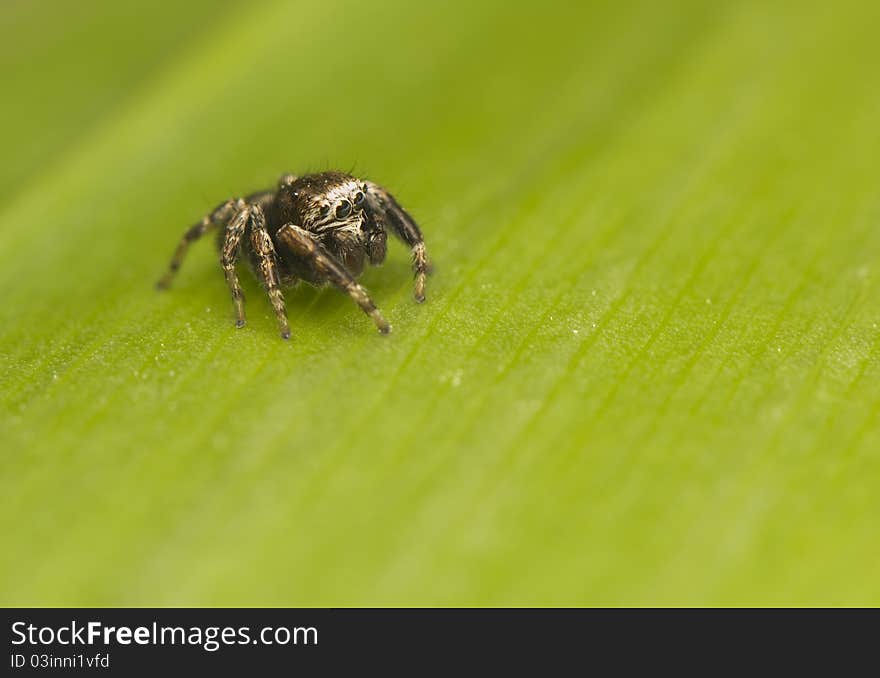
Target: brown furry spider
318,228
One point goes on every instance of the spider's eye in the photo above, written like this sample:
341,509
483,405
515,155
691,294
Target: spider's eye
358,199
325,210
343,210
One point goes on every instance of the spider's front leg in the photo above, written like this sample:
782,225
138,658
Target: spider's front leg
268,267
301,243
228,256
383,204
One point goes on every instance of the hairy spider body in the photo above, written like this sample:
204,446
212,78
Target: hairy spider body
320,228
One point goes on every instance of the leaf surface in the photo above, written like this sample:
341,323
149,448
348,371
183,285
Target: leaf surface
646,373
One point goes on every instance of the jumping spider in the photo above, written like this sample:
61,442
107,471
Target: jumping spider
318,228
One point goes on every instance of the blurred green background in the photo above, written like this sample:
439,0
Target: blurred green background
646,373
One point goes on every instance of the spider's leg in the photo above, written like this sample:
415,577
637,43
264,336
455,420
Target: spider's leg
219,215
301,243
268,266
405,228
261,198
228,255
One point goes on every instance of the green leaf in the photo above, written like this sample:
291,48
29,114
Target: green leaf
646,373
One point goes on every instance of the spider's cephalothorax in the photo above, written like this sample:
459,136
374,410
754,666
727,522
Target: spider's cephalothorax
319,228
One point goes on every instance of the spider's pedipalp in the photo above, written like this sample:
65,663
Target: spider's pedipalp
302,244
377,246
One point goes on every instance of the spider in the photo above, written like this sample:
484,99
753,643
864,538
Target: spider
318,228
